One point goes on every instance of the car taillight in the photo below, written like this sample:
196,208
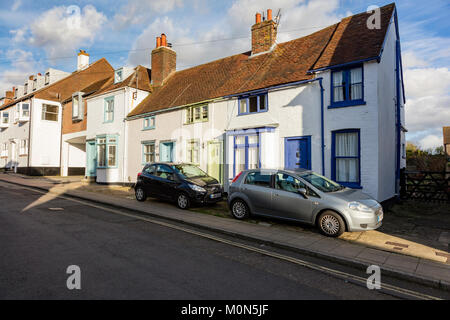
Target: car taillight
237,177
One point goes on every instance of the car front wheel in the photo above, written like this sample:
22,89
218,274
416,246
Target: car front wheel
331,224
183,201
140,194
239,209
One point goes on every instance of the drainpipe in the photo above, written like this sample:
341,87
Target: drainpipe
322,90
29,137
398,120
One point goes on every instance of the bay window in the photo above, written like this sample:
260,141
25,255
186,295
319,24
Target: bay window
246,152
346,159
106,151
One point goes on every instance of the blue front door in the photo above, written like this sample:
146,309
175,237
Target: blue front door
297,153
167,152
91,159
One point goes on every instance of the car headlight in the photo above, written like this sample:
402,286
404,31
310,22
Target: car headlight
357,206
196,188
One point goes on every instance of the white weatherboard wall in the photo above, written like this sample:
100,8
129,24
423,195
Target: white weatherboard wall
45,136
123,104
12,136
170,126
73,151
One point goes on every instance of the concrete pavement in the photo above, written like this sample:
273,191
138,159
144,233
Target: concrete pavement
418,269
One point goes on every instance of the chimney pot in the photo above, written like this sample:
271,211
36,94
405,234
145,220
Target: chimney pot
269,14
158,42
83,60
258,17
163,40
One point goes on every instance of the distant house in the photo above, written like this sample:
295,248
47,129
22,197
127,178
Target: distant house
332,101
106,131
31,122
446,131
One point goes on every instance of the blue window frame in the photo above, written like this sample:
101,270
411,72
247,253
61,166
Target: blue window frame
247,152
148,152
346,157
149,123
347,87
107,151
108,115
253,104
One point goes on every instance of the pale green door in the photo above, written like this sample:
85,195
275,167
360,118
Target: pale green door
91,159
215,163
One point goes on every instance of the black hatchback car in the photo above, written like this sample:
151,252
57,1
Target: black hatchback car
183,183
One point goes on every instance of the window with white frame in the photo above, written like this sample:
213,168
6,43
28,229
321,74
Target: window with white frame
77,106
107,152
25,110
23,147
109,109
118,76
49,112
5,117
193,151
5,149
197,114
148,152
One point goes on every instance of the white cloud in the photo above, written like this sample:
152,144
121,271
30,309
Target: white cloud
299,18
60,31
23,64
138,11
430,142
16,5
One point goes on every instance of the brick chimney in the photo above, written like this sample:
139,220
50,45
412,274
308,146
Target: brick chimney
164,61
83,60
264,33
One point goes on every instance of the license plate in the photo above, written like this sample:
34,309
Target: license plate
215,195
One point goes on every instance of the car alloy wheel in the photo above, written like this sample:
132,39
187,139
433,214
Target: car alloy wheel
330,225
140,194
239,209
183,201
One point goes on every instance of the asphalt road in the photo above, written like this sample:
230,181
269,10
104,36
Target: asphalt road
126,258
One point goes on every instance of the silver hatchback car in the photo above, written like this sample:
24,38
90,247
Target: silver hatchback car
305,196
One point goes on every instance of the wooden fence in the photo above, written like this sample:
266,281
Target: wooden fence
425,186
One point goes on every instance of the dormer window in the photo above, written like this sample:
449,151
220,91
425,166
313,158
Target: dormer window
34,84
47,78
77,107
118,76
25,89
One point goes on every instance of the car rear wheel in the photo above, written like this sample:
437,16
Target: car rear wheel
140,194
239,209
331,224
183,201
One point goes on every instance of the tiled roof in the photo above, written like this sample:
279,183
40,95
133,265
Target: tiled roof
348,41
142,81
446,135
64,88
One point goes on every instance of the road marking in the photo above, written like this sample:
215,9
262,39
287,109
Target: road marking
336,273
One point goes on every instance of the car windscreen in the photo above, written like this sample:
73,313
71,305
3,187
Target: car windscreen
189,171
321,183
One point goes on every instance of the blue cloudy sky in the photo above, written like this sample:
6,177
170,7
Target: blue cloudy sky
36,35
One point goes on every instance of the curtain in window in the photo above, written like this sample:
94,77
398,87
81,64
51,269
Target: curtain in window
339,86
356,83
253,158
347,162
240,160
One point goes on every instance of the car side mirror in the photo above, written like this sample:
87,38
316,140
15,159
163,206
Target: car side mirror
303,192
